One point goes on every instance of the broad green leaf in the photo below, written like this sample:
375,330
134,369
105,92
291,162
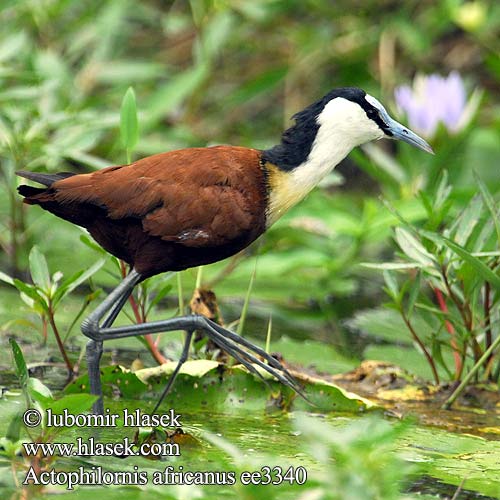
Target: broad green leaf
263,82
412,248
39,270
74,403
202,383
39,392
19,361
129,126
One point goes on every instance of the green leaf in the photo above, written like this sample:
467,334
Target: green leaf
39,392
172,93
6,278
19,361
39,269
392,285
162,292
74,403
414,293
490,203
391,266
15,426
413,248
129,126
92,244
76,280
467,221
443,191
32,293
481,268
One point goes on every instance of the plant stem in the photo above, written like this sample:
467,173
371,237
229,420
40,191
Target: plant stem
451,331
465,313
243,315
474,369
487,318
199,276
180,294
422,346
268,335
59,341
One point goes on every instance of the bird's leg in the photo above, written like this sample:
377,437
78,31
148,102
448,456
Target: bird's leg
182,360
227,340
241,349
112,305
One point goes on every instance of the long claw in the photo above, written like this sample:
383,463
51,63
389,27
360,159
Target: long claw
270,359
289,381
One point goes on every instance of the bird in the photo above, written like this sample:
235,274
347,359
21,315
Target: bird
185,208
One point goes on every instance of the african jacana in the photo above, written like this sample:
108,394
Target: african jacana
180,209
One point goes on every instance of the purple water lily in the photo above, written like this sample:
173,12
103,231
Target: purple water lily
434,99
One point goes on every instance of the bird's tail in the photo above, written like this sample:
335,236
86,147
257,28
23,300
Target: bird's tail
45,179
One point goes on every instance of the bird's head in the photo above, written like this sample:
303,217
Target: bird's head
327,130
361,118
323,135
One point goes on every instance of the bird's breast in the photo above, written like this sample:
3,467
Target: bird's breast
285,189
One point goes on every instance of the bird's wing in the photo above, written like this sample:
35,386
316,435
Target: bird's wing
197,197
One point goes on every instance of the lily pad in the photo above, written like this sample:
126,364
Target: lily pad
211,385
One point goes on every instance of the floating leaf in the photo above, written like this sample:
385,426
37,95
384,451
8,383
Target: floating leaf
74,403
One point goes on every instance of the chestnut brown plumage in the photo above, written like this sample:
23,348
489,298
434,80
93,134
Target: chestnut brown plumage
167,212
196,206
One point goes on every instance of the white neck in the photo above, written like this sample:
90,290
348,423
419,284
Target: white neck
343,125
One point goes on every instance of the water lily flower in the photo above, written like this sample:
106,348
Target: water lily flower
435,99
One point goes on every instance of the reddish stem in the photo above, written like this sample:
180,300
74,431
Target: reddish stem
449,327
487,319
422,346
60,343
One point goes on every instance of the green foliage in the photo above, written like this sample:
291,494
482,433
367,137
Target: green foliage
234,72
129,125
38,397
44,296
458,264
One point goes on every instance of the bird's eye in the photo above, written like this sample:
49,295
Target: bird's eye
372,113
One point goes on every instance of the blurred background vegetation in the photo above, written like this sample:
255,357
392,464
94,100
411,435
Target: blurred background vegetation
234,71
